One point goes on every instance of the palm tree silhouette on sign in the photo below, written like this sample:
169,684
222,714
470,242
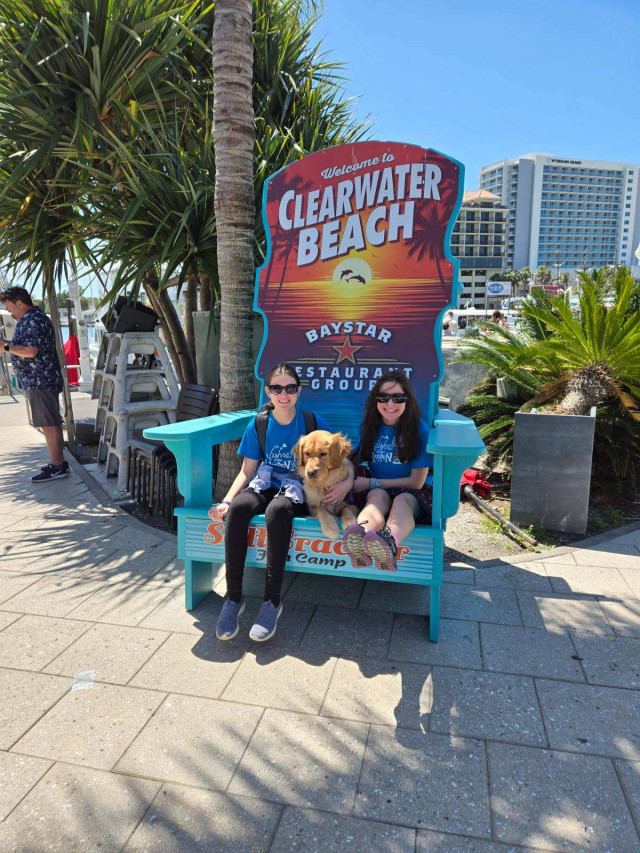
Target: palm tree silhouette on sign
283,242
429,230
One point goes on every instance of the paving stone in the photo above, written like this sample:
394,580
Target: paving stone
558,613
529,651
18,775
437,842
171,574
317,832
565,558
91,726
273,680
131,537
170,614
200,666
52,596
395,597
303,761
35,640
590,580
7,619
113,652
457,574
378,691
459,642
320,589
583,718
632,579
486,705
343,631
558,801
624,616
77,809
629,772
531,576
429,781
192,741
494,604
611,662
126,603
11,583
186,820
608,556
24,697
134,565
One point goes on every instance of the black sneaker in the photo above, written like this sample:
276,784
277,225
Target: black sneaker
52,472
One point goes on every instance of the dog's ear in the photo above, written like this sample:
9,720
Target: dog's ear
298,450
340,449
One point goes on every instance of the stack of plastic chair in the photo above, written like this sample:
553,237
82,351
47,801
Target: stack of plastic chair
136,388
152,468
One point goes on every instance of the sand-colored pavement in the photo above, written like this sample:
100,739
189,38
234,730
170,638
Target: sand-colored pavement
125,724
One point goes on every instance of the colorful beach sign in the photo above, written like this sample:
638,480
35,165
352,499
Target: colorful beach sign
358,271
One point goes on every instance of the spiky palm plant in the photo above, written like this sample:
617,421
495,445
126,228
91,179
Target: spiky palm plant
573,361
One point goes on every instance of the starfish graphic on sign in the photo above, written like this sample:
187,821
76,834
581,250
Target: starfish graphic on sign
346,351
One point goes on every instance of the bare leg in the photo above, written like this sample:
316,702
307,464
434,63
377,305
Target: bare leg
375,512
402,518
55,443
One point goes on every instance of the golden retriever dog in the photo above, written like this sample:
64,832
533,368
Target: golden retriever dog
322,462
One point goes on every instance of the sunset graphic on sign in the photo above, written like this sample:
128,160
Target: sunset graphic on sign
358,270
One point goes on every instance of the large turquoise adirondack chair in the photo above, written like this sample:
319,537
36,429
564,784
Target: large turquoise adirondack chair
357,277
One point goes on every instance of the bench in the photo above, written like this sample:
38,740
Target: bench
357,277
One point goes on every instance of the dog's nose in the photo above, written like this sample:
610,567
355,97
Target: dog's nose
311,474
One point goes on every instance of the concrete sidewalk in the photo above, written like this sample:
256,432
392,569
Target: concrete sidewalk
125,725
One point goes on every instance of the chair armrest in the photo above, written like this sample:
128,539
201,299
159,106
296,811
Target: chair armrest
455,444
191,443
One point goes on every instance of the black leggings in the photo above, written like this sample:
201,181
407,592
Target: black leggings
279,513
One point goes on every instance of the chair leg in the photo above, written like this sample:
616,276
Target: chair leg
198,581
434,614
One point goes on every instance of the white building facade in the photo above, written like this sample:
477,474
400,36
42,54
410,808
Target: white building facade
566,214
478,242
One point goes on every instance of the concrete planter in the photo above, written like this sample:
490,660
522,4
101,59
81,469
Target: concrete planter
552,470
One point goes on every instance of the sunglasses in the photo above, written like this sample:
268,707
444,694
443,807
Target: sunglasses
288,389
397,398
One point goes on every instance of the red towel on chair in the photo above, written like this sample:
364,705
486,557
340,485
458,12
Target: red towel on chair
474,478
72,356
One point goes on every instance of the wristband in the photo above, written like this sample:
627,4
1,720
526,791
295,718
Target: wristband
228,503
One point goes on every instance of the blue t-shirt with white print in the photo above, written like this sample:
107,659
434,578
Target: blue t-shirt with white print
279,442
385,464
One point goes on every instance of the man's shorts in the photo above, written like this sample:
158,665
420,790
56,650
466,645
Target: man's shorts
44,406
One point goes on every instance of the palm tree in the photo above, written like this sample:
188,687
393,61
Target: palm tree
232,54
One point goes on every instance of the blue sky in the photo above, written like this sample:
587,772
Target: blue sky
485,80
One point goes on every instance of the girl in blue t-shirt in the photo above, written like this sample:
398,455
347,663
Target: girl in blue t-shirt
393,444
268,485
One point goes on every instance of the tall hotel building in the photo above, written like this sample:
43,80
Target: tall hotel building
478,242
566,214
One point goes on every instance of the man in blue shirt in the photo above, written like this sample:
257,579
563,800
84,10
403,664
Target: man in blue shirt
37,368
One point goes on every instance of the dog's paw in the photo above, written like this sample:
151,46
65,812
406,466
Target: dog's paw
330,529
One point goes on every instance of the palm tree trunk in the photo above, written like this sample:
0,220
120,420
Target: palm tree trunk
67,406
232,54
173,353
190,305
205,292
